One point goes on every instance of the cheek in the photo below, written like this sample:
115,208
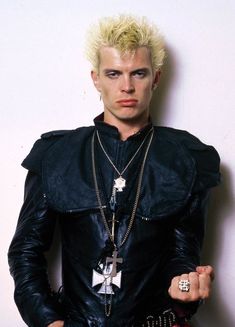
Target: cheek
108,88
144,86
147,91
108,94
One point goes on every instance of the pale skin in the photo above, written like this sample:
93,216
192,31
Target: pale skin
126,84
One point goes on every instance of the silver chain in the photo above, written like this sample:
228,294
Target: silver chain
108,306
132,158
137,192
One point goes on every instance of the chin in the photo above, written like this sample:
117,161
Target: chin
131,117
129,113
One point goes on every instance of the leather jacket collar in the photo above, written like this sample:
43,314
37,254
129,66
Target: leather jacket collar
112,131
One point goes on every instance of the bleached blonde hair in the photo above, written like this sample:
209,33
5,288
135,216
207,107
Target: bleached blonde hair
125,33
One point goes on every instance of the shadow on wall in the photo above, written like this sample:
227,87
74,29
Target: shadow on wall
215,313
158,107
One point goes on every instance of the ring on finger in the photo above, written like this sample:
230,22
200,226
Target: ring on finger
184,285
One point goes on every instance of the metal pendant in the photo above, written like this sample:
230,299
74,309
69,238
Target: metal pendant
119,184
106,280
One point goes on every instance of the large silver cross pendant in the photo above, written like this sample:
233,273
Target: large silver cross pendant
106,280
109,277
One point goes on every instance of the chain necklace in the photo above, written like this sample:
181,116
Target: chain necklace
110,275
120,182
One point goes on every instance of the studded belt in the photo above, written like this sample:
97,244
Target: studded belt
165,319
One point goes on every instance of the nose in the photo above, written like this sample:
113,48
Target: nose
127,85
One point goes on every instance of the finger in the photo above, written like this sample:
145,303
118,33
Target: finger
206,269
182,278
194,286
174,290
194,290
204,286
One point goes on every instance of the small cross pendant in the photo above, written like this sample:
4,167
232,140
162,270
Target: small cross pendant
114,260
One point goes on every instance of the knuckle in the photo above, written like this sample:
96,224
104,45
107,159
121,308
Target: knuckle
184,276
193,274
209,268
175,279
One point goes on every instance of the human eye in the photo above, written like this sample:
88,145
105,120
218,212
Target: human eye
112,74
140,73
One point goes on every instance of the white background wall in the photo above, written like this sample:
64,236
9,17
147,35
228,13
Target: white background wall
45,84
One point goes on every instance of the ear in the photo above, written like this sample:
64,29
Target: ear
156,79
96,80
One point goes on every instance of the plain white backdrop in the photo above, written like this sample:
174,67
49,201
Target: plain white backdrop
45,85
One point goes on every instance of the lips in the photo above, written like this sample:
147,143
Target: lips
127,102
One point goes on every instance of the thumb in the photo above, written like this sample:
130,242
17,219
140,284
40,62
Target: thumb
206,270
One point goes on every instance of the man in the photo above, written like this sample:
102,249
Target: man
130,200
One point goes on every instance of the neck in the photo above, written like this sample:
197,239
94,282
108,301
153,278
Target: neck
127,131
126,128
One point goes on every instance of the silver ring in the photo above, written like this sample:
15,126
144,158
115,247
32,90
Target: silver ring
184,285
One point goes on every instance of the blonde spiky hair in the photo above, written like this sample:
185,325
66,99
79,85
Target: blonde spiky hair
125,33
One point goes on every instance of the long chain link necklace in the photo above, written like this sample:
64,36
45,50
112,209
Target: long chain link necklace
111,276
120,182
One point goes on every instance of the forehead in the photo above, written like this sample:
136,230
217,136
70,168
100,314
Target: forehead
112,58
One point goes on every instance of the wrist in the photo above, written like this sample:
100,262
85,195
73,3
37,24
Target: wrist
57,323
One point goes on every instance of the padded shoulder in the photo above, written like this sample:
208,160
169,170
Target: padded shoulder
33,160
206,158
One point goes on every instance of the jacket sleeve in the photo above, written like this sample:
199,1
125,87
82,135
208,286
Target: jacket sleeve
28,267
188,237
185,252
189,229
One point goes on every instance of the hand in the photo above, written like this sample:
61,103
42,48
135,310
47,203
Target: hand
57,323
200,285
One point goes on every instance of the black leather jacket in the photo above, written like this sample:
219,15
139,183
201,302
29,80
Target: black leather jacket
165,239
